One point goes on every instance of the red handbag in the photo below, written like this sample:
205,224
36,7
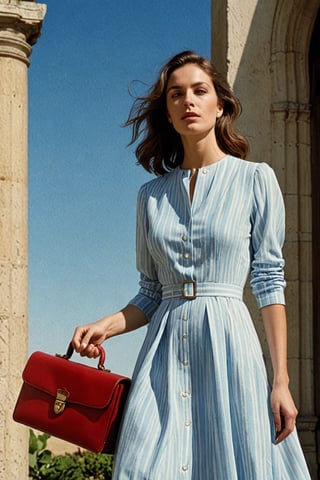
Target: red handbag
72,401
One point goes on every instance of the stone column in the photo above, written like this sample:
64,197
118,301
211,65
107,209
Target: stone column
20,25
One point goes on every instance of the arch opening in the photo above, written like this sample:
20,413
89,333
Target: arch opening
314,69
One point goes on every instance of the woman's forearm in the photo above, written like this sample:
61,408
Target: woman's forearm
128,319
281,401
275,324
86,337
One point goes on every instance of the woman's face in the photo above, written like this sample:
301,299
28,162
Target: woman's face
192,103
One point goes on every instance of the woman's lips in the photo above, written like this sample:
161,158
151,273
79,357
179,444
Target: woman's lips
190,115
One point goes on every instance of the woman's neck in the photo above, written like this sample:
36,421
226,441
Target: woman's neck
199,153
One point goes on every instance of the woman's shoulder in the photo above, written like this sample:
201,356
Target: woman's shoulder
250,165
258,170
158,183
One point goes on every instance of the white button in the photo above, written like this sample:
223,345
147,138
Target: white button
186,255
185,336
184,238
185,394
187,423
204,171
185,363
185,468
185,318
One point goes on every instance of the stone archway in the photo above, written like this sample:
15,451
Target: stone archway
263,48
291,151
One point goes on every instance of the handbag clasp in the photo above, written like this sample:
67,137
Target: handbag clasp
60,401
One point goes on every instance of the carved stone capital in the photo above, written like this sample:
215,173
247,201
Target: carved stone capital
20,27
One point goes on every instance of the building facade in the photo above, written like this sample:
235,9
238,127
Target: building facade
270,54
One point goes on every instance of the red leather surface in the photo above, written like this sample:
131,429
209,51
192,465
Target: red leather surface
93,410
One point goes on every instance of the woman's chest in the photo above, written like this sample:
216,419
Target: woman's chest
218,216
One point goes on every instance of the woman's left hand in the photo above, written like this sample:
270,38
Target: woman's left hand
284,411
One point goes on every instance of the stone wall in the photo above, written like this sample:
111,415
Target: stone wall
263,49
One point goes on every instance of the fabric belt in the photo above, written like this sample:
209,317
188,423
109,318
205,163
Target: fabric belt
190,289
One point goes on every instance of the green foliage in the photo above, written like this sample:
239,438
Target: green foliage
43,465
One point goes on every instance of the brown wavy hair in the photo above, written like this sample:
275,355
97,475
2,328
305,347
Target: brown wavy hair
160,149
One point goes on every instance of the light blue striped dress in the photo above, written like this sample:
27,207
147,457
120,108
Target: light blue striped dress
199,404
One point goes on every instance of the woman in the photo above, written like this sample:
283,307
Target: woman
200,406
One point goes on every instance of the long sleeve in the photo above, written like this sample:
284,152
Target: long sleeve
150,292
268,227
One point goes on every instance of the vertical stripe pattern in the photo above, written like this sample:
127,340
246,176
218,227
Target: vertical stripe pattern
199,404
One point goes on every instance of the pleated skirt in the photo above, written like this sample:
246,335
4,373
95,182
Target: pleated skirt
199,407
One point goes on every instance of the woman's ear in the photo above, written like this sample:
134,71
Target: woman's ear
219,110
168,117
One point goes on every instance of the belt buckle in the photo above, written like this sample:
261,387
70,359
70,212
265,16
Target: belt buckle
185,292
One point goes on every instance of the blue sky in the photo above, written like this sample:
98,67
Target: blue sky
83,179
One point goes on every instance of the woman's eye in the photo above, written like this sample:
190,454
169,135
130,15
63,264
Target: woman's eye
176,94
200,91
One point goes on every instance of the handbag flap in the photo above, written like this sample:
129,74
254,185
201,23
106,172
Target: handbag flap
85,385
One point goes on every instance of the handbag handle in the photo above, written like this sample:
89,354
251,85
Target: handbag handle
102,355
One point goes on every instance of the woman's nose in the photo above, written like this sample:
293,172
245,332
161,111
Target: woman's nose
188,100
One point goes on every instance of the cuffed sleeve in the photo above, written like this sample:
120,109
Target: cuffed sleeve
150,293
267,238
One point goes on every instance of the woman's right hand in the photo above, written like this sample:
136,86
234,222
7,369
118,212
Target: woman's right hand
86,337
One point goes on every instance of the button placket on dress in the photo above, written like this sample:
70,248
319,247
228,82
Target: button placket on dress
187,262
185,395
